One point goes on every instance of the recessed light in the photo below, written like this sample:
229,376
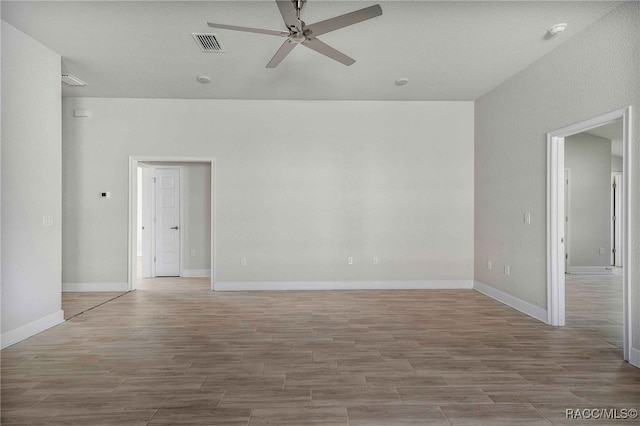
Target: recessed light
402,81
557,28
204,79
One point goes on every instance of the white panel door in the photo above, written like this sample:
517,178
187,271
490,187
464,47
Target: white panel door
167,222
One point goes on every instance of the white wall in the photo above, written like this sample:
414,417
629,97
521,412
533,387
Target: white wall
197,214
31,186
616,163
300,185
594,72
589,159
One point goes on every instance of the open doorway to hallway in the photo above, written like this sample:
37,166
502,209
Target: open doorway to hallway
593,285
580,239
171,225
174,210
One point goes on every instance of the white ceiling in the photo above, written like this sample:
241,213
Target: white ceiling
450,50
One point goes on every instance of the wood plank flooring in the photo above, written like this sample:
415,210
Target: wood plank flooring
76,303
174,353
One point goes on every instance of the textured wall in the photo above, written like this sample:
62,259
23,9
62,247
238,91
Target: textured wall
594,72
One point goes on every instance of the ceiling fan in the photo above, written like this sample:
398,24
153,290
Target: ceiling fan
300,33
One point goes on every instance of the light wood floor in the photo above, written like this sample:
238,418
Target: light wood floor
175,353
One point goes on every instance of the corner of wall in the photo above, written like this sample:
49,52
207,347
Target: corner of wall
523,306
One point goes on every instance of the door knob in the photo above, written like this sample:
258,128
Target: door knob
174,227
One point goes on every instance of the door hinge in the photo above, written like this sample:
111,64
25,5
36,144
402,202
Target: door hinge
613,218
566,256
154,258
614,251
154,180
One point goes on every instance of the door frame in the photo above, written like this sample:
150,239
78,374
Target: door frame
133,211
147,177
555,219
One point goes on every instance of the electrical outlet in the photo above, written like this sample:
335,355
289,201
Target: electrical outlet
193,252
349,260
489,265
375,260
506,270
243,261
602,250
527,218
47,220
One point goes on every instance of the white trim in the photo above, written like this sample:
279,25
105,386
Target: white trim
634,357
93,287
555,220
555,231
18,334
133,204
525,307
344,285
196,273
590,270
212,224
181,208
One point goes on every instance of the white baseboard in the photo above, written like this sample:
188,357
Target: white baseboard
518,304
634,357
343,285
17,335
590,270
93,287
196,273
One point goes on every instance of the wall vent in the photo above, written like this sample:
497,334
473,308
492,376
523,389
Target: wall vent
72,80
208,42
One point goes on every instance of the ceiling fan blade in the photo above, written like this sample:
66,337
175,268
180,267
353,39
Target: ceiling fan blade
342,21
249,30
288,12
284,50
326,50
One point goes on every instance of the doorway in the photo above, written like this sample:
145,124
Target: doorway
556,218
171,218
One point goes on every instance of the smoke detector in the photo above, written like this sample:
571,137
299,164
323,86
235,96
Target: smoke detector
557,28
